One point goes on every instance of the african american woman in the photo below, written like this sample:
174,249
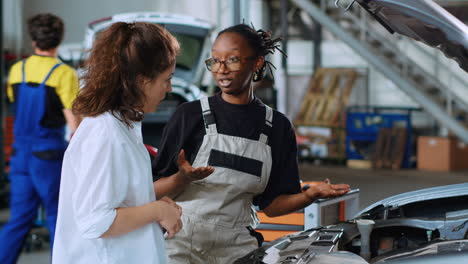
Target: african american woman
251,147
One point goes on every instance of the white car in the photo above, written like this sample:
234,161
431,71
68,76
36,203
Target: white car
194,37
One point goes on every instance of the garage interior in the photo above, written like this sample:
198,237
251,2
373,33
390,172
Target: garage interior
381,112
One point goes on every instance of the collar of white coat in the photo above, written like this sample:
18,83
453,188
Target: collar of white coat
134,128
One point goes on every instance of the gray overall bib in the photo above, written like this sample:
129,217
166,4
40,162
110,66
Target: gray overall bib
218,209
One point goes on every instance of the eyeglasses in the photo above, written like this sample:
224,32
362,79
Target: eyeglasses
232,64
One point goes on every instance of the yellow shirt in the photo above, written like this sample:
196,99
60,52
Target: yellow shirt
63,81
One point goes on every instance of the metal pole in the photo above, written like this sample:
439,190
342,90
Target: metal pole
284,28
284,44
245,12
317,37
236,12
2,99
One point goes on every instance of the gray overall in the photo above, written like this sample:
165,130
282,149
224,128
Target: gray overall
217,209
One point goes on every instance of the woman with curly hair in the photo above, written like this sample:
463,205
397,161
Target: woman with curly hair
108,209
252,148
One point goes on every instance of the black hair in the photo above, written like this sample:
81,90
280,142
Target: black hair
46,30
260,41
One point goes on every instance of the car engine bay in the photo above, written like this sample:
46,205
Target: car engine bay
413,230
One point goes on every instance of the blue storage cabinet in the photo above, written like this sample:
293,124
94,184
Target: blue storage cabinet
363,124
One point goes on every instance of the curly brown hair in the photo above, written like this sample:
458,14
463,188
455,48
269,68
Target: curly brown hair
122,57
46,30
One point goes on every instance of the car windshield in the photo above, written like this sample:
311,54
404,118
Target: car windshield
190,49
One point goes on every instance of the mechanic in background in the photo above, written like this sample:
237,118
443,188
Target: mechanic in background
42,89
252,148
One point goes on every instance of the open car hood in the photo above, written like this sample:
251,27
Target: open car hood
419,195
425,21
453,251
429,226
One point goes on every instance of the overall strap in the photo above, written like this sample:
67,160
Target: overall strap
208,117
267,126
50,72
23,74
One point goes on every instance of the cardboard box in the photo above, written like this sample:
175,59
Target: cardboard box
359,164
442,154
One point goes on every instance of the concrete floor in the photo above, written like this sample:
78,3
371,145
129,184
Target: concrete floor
374,185
378,184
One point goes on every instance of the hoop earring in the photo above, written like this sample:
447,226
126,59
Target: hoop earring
255,76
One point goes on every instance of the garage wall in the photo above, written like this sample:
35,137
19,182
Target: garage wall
12,25
77,14
379,91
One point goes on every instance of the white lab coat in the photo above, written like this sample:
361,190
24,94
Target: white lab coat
106,166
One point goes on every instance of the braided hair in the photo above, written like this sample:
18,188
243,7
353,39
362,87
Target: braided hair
261,42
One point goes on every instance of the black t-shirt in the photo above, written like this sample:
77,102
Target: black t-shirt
186,130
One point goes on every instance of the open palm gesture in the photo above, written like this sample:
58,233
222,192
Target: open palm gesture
190,173
325,189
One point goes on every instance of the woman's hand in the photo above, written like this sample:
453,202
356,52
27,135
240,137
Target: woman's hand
169,216
176,183
171,202
325,189
189,173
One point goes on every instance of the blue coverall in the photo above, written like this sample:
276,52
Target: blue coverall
35,168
